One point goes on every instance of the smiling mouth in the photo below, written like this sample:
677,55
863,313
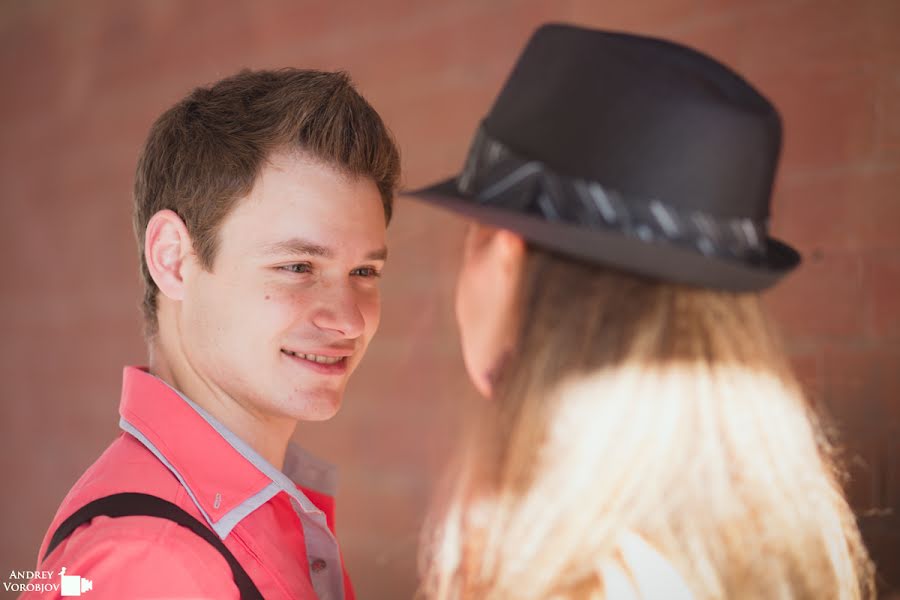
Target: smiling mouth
317,358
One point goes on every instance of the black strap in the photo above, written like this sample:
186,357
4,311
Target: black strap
134,504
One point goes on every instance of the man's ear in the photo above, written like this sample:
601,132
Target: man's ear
167,245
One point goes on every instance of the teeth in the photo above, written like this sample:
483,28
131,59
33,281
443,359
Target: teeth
324,360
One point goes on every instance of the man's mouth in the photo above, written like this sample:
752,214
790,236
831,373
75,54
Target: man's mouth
333,363
317,358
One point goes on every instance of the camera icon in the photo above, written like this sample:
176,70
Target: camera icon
74,585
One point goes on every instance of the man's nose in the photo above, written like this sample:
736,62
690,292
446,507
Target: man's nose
339,312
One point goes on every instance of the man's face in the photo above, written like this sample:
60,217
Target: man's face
292,300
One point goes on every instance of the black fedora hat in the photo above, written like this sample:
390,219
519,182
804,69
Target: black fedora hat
632,152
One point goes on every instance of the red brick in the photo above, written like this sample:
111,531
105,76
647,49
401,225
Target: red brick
819,80
822,79
218,43
32,61
822,300
885,43
432,147
881,276
834,32
871,459
708,26
807,367
839,210
851,381
630,16
828,113
889,380
887,117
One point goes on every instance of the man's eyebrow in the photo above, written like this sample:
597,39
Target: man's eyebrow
380,254
300,246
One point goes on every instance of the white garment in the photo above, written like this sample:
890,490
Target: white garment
642,574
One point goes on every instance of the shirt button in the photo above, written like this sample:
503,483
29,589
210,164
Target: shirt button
318,565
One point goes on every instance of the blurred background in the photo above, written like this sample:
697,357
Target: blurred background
84,80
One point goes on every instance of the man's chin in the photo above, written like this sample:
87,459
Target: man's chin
321,414
315,406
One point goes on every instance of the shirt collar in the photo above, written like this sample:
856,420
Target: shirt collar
225,477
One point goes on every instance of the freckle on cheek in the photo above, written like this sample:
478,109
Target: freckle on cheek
267,296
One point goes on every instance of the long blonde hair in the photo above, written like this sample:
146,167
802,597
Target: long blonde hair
632,405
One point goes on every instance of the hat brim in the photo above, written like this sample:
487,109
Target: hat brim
652,259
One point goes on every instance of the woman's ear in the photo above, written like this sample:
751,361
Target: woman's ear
487,301
502,247
510,251
166,246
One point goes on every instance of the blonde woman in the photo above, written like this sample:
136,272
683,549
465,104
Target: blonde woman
644,437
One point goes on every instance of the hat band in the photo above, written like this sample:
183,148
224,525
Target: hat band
493,175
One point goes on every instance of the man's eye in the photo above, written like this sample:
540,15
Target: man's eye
297,268
366,272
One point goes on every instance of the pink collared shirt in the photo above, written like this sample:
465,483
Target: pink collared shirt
279,525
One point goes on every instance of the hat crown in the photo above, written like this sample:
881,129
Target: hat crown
647,118
629,152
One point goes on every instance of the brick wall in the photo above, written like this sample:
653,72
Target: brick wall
83,81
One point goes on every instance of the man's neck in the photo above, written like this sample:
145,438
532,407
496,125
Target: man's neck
266,434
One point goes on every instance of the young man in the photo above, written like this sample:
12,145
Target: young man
261,204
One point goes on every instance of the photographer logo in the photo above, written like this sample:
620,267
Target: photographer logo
43,581
73,585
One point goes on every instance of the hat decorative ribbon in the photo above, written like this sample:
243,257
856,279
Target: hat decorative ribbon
494,176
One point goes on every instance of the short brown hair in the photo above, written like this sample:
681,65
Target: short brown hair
206,152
